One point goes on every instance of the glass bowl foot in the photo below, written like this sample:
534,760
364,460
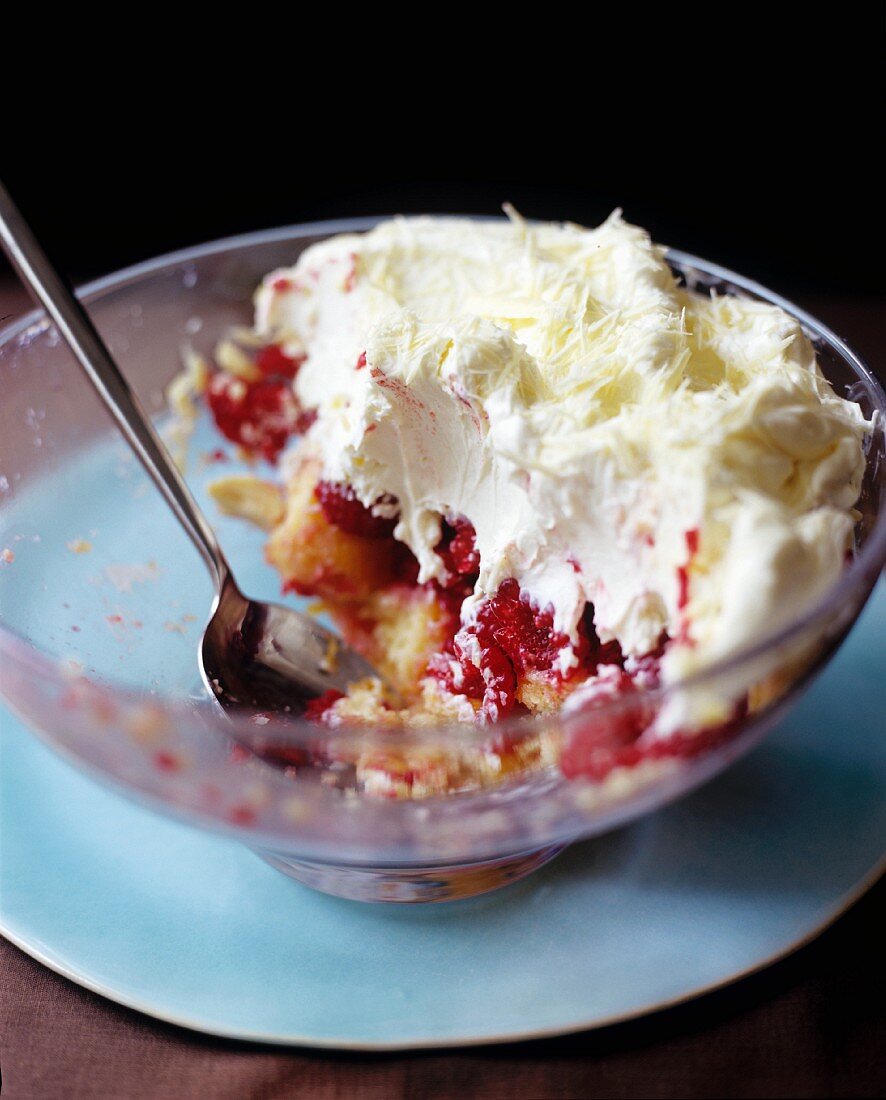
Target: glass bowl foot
410,883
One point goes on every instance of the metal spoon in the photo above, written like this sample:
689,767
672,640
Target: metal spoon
253,655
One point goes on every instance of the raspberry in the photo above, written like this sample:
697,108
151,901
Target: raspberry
473,683
306,420
343,510
273,362
511,636
605,740
457,547
525,634
260,416
500,682
458,676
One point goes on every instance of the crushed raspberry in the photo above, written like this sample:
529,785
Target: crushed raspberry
260,416
361,362
273,362
457,674
500,682
509,638
645,671
343,510
305,420
688,745
457,547
608,741
281,285
524,633
605,740
513,638
316,708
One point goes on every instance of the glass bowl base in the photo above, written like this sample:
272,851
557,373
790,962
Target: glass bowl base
411,883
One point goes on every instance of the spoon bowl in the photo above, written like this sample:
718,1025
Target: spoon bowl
265,658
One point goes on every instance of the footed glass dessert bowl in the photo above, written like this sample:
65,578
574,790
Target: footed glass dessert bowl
102,601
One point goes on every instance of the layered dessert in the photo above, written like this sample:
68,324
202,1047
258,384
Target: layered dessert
525,469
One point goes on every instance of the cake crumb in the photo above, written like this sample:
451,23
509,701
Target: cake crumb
123,577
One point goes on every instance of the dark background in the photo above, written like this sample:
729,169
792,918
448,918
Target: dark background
739,133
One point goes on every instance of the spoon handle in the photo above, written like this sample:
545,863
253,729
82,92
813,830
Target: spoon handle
51,290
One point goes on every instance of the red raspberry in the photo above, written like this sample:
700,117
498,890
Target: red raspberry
273,362
457,547
500,682
260,416
605,740
343,510
525,634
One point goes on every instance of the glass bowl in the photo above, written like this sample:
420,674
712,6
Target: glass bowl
104,599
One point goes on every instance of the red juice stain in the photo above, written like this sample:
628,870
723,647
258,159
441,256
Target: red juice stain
242,815
210,794
351,277
692,541
167,761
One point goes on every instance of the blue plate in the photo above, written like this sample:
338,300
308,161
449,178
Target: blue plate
196,930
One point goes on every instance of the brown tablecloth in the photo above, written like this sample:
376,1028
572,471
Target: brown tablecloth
810,1026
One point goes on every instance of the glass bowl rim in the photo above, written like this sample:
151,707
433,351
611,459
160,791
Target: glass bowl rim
862,569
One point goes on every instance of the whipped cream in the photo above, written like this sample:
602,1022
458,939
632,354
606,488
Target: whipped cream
676,459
